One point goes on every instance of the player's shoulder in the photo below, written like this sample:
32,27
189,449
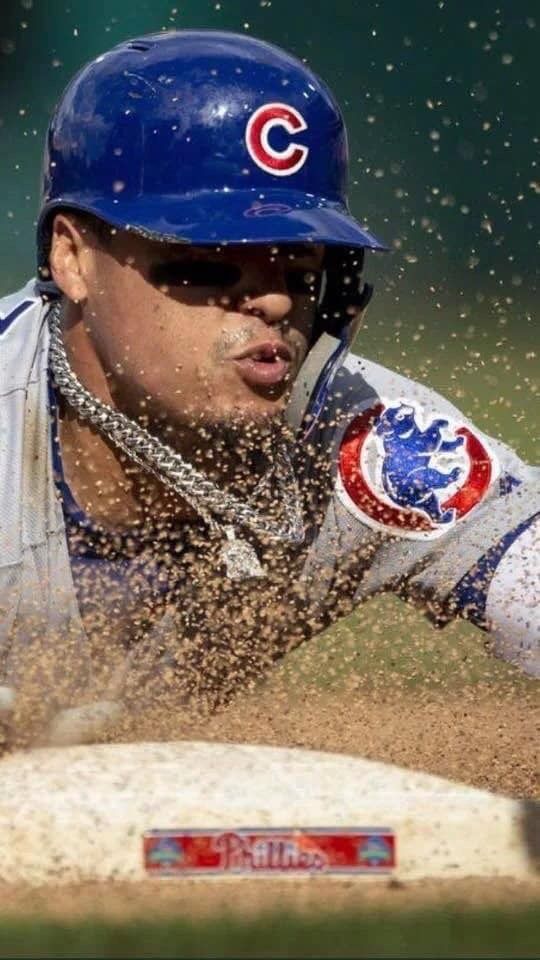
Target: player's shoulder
22,337
391,399
22,299
359,378
408,462
15,305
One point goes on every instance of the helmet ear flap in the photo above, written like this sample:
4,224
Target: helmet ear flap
344,293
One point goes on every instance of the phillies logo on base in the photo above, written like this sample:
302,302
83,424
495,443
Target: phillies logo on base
269,851
281,163
410,473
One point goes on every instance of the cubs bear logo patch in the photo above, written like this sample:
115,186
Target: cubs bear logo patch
403,471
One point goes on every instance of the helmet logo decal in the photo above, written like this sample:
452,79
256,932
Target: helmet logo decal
410,473
281,163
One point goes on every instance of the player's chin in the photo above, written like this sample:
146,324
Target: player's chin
260,410
267,401
257,409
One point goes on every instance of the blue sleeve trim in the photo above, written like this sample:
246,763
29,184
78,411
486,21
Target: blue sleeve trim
5,322
469,597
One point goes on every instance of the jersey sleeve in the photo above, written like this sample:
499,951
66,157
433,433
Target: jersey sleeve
437,500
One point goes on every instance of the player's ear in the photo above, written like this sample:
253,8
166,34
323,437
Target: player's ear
68,256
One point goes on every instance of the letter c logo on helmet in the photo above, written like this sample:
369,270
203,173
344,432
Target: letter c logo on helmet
281,163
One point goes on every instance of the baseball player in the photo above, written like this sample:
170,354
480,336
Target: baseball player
197,474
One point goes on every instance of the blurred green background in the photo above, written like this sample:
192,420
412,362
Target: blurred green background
440,102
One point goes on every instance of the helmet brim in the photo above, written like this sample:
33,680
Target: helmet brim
215,217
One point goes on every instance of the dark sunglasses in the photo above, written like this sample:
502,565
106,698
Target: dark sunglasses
300,281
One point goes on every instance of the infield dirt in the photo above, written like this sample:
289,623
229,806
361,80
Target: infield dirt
480,728
483,737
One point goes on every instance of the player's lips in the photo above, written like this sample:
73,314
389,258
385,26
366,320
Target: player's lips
264,364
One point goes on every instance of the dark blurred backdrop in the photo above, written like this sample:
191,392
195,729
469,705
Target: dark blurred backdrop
441,101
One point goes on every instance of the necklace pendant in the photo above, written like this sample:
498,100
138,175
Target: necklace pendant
240,559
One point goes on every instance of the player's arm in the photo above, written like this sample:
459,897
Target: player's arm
501,594
487,570
446,513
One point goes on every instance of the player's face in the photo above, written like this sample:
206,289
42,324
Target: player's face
211,334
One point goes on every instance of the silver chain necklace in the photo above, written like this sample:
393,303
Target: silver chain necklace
204,496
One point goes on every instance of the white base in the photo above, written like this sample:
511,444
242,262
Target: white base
78,813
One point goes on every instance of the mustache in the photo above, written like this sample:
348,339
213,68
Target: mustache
230,339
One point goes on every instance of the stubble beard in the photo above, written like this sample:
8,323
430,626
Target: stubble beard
241,444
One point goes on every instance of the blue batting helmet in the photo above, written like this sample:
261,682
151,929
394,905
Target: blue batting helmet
203,137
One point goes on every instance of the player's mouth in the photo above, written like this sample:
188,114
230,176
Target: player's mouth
264,364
